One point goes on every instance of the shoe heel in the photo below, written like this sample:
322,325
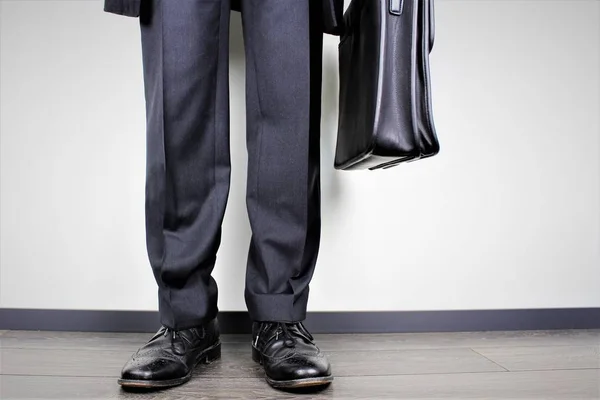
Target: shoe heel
212,354
256,355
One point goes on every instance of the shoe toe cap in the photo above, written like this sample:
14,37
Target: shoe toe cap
301,367
136,370
146,368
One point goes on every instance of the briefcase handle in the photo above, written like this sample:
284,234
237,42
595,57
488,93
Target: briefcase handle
397,6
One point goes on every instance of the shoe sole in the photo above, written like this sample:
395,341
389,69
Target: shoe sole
209,355
292,383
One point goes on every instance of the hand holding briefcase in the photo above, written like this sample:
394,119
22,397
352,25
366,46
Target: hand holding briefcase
385,114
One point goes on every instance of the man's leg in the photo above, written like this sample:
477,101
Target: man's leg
185,60
283,56
283,59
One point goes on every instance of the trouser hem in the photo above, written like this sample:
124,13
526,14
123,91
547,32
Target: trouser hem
277,307
187,323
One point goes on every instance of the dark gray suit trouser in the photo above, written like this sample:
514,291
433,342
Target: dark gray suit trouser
185,60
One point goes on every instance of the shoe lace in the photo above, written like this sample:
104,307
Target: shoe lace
168,331
289,341
282,328
175,334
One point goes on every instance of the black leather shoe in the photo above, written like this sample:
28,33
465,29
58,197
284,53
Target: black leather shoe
289,355
169,358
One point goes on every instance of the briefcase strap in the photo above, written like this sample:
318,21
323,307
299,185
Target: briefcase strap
397,6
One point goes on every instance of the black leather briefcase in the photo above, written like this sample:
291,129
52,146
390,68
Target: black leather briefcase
385,115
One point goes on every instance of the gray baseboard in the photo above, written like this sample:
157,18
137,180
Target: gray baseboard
318,322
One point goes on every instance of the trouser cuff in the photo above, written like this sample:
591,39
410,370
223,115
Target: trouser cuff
277,307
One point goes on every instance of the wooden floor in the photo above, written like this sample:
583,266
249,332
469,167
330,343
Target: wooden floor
481,365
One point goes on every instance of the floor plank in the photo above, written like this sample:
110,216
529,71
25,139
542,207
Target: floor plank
547,385
328,342
544,358
410,362
88,340
109,363
403,341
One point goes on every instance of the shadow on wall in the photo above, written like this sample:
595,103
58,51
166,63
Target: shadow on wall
236,44
329,119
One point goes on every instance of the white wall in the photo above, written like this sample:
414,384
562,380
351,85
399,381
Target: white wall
506,216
